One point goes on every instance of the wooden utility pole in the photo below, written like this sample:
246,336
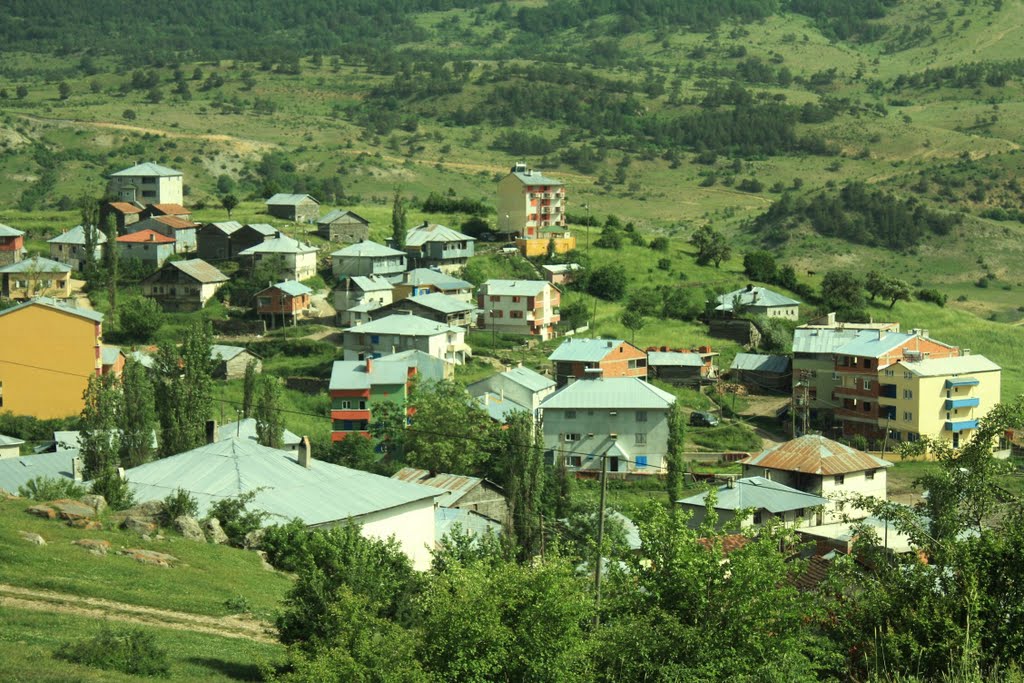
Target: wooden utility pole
600,542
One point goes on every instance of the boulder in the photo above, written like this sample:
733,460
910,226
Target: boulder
32,538
72,509
149,557
189,528
7,495
140,525
95,501
94,546
253,539
213,531
87,524
265,560
44,511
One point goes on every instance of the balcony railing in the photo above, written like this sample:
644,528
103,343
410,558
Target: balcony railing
960,425
954,403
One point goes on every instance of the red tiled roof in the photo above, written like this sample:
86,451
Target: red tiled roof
730,542
171,209
814,454
175,222
146,236
125,207
814,575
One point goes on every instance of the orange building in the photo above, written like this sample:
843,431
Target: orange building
48,351
286,301
12,245
529,201
578,358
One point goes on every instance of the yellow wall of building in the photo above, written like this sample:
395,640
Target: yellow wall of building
926,402
46,358
539,247
56,285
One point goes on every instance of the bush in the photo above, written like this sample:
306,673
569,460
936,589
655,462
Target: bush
664,264
114,489
129,650
659,243
181,503
932,295
608,282
51,488
286,545
236,518
139,318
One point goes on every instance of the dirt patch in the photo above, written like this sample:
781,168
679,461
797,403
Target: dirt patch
65,603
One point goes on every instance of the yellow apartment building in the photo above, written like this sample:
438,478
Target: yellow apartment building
48,351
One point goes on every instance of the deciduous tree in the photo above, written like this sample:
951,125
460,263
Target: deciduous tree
267,410
138,415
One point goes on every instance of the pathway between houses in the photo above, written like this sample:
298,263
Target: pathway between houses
66,603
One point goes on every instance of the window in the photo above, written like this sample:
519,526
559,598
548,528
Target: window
838,480
867,384
641,416
757,517
639,439
495,298
908,393
889,373
570,415
800,512
515,314
908,375
867,407
835,376
867,363
375,339
908,416
515,299
575,461
869,474
571,437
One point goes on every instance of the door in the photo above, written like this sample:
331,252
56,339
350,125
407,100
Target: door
614,465
956,439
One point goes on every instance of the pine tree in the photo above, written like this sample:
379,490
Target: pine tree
398,221
269,423
99,439
138,415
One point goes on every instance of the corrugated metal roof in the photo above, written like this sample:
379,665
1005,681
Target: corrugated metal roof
352,374
10,440
76,235
341,213
284,199
814,454
958,365
826,340
367,248
8,231
457,485
525,377
756,296
500,407
579,350
674,359
760,363
246,429
147,169
610,392
36,264
442,303
562,267
225,352
370,283
15,472
427,366
265,229
417,237
56,305
110,354
428,276
758,493
291,288
514,287
225,227
146,236
874,344
198,270
409,325
319,494
279,245
531,177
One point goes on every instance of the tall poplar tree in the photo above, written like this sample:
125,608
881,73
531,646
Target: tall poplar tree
99,438
398,220
184,391
675,480
138,415
269,422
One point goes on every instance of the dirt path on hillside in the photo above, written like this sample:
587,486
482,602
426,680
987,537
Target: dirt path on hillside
65,603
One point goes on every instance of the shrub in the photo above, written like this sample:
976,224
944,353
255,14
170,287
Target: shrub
114,489
51,488
140,318
129,650
933,295
664,264
726,437
181,503
659,243
236,518
286,545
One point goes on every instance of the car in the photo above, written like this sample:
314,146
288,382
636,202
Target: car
702,419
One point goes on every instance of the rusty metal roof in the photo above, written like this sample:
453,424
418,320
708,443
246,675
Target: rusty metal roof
457,485
814,454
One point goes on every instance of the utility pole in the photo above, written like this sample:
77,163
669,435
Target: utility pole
600,541
587,207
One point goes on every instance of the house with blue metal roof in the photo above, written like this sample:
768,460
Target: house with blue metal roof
578,358
758,500
518,388
69,246
754,300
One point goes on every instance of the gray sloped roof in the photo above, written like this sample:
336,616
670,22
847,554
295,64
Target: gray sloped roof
109,354
335,214
874,344
468,521
371,283
10,440
36,264
76,235
527,378
427,366
758,493
291,288
285,199
367,248
147,169
265,229
674,359
500,407
756,296
56,305
352,374
515,287
409,325
957,365
610,392
825,340
577,350
442,303
562,267
531,177
429,276
319,494
226,227
279,245
199,270
760,363
246,429
15,472
8,231
225,352
417,237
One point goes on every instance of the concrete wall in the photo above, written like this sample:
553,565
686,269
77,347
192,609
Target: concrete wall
594,427
412,525
498,384
343,266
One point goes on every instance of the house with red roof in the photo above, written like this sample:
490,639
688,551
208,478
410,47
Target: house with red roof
182,231
149,246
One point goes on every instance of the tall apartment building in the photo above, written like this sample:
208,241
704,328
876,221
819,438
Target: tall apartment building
528,307
148,183
529,201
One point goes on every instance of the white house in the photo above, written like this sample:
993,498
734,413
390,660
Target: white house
518,388
356,296
298,259
148,183
766,499
69,247
367,258
528,307
399,332
758,301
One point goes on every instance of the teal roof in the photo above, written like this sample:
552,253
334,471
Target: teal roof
760,494
291,288
417,237
429,276
76,235
56,305
109,354
370,283
224,352
15,472
525,377
531,177
427,366
825,340
279,245
676,359
442,303
957,365
760,363
498,407
265,229
577,350
36,264
514,287
367,248
246,429
10,440
754,296
407,325
610,392
8,231
147,169
319,494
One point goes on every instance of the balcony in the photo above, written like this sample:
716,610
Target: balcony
847,415
855,393
960,425
954,403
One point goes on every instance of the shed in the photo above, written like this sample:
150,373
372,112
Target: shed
301,208
468,493
343,226
230,361
762,373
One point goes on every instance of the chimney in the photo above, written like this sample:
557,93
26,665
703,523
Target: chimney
730,482
120,473
305,458
750,287
76,469
211,431
369,365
